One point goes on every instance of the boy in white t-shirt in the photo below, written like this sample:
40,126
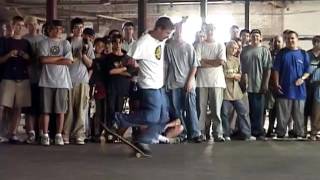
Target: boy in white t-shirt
211,84
153,107
55,54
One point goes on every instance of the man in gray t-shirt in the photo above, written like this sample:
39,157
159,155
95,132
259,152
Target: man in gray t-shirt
33,113
83,54
182,66
55,54
256,62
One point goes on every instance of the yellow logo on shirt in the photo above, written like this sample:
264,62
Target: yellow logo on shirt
158,52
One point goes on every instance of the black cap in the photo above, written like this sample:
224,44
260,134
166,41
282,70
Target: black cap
89,31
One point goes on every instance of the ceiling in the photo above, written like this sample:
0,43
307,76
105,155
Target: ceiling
91,10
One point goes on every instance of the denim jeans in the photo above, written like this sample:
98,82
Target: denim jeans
153,113
242,117
183,106
256,108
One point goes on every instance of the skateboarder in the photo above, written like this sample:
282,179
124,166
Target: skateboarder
153,106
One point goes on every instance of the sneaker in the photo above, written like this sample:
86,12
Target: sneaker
251,138
300,138
227,138
144,147
292,134
261,138
270,135
14,139
80,141
278,137
313,138
3,139
210,140
220,139
45,140
31,139
197,139
58,140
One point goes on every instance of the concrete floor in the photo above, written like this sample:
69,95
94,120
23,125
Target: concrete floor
221,161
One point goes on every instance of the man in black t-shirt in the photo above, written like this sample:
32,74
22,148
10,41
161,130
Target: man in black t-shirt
118,77
15,86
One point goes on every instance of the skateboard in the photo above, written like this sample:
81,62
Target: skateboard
138,152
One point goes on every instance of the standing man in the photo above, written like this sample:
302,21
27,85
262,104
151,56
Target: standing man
153,107
245,37
7,32
15,85
182,66
314,55
234,32
82,51
211,84
34,39
291,69
256,62
55,54
128,33
89,34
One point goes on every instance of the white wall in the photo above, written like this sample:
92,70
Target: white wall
303,17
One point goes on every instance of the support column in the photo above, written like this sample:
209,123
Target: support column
142,16
247,14
204,10
52,9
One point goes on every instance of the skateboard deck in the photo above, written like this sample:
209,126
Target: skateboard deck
138,152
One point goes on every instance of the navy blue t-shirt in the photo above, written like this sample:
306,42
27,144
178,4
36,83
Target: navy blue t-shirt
16,68
291,65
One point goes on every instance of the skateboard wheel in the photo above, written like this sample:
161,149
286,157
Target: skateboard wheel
138,155
109,137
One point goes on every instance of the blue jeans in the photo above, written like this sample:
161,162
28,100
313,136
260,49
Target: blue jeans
153,113
256,108
243,117
183,106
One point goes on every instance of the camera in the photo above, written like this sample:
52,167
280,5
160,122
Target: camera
85,46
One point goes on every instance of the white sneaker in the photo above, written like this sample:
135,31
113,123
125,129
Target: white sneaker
58,140
299,138
45,140
31,139
251,138
3,139
227,138
80,141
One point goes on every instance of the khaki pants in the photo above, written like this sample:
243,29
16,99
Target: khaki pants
74,125
315,117
212,97
15,94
